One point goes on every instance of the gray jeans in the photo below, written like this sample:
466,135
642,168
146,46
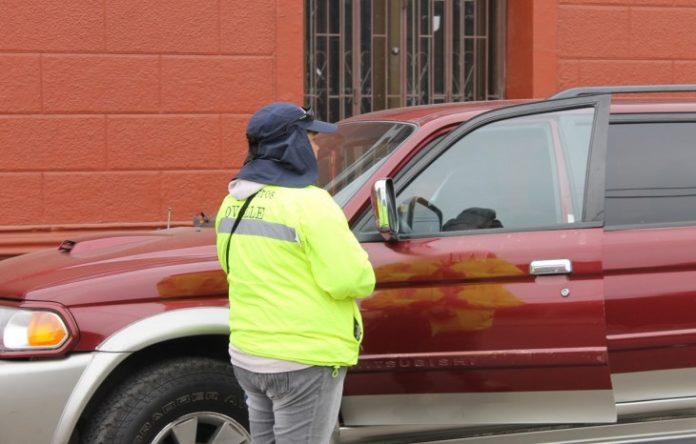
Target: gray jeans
298,407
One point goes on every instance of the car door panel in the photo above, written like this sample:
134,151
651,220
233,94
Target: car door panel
477,333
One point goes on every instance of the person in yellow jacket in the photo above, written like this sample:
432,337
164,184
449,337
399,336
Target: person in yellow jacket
294,270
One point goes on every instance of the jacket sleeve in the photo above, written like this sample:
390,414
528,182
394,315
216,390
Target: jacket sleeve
338,262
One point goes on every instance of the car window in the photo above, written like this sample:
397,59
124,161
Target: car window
519,173
651,175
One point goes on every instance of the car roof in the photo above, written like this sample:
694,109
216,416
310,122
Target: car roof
422,114
463,111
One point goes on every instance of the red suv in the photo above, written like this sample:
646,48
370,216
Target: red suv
536,269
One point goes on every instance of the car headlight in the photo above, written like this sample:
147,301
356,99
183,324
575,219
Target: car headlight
28,330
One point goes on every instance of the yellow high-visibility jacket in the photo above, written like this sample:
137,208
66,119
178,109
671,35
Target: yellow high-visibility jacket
295,270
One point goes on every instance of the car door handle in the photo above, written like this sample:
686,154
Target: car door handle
550,266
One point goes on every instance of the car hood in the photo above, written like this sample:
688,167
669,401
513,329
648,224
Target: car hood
176,263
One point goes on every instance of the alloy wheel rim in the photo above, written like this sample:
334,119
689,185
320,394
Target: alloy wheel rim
203,428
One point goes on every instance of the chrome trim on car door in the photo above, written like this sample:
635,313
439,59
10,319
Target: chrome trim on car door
550,266
681,430
640,393
587,406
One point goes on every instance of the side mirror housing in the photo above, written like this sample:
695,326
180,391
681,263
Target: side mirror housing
384,209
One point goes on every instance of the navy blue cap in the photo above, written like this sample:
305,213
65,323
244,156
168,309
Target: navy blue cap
279,150
278,118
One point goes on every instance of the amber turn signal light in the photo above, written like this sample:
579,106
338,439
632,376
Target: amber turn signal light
45,330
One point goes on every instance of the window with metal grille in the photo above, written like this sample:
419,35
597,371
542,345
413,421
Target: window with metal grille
367,55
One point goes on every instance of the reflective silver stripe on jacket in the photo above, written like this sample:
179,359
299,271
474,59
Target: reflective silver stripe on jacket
257,227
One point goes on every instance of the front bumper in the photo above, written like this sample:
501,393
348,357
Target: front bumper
33,395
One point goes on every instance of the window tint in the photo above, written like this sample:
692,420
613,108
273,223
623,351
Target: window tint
651,173
522,172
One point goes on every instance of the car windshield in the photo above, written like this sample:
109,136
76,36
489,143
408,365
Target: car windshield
349,156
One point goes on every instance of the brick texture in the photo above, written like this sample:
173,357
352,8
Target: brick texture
34,143
602,42
593,31
670,25
163,26
618,2
685,72
20,83
229,84
240,23
594,2
90,83
52,25
568,73
171,142
75,198
21,198
289,75
614,72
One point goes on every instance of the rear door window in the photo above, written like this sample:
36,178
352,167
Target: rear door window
651,173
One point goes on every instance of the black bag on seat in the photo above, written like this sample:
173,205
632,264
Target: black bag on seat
473,218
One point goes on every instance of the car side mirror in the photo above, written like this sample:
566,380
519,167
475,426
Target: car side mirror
384,209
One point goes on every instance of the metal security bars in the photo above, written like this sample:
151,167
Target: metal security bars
366,55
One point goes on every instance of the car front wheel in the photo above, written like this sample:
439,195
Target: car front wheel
183,401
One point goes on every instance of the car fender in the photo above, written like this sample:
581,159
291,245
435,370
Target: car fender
134,337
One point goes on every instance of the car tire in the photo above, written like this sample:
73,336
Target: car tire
185,400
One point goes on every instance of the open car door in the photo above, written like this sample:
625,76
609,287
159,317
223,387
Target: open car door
489,307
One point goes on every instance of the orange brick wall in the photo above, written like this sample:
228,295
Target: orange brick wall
113,111
556,44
